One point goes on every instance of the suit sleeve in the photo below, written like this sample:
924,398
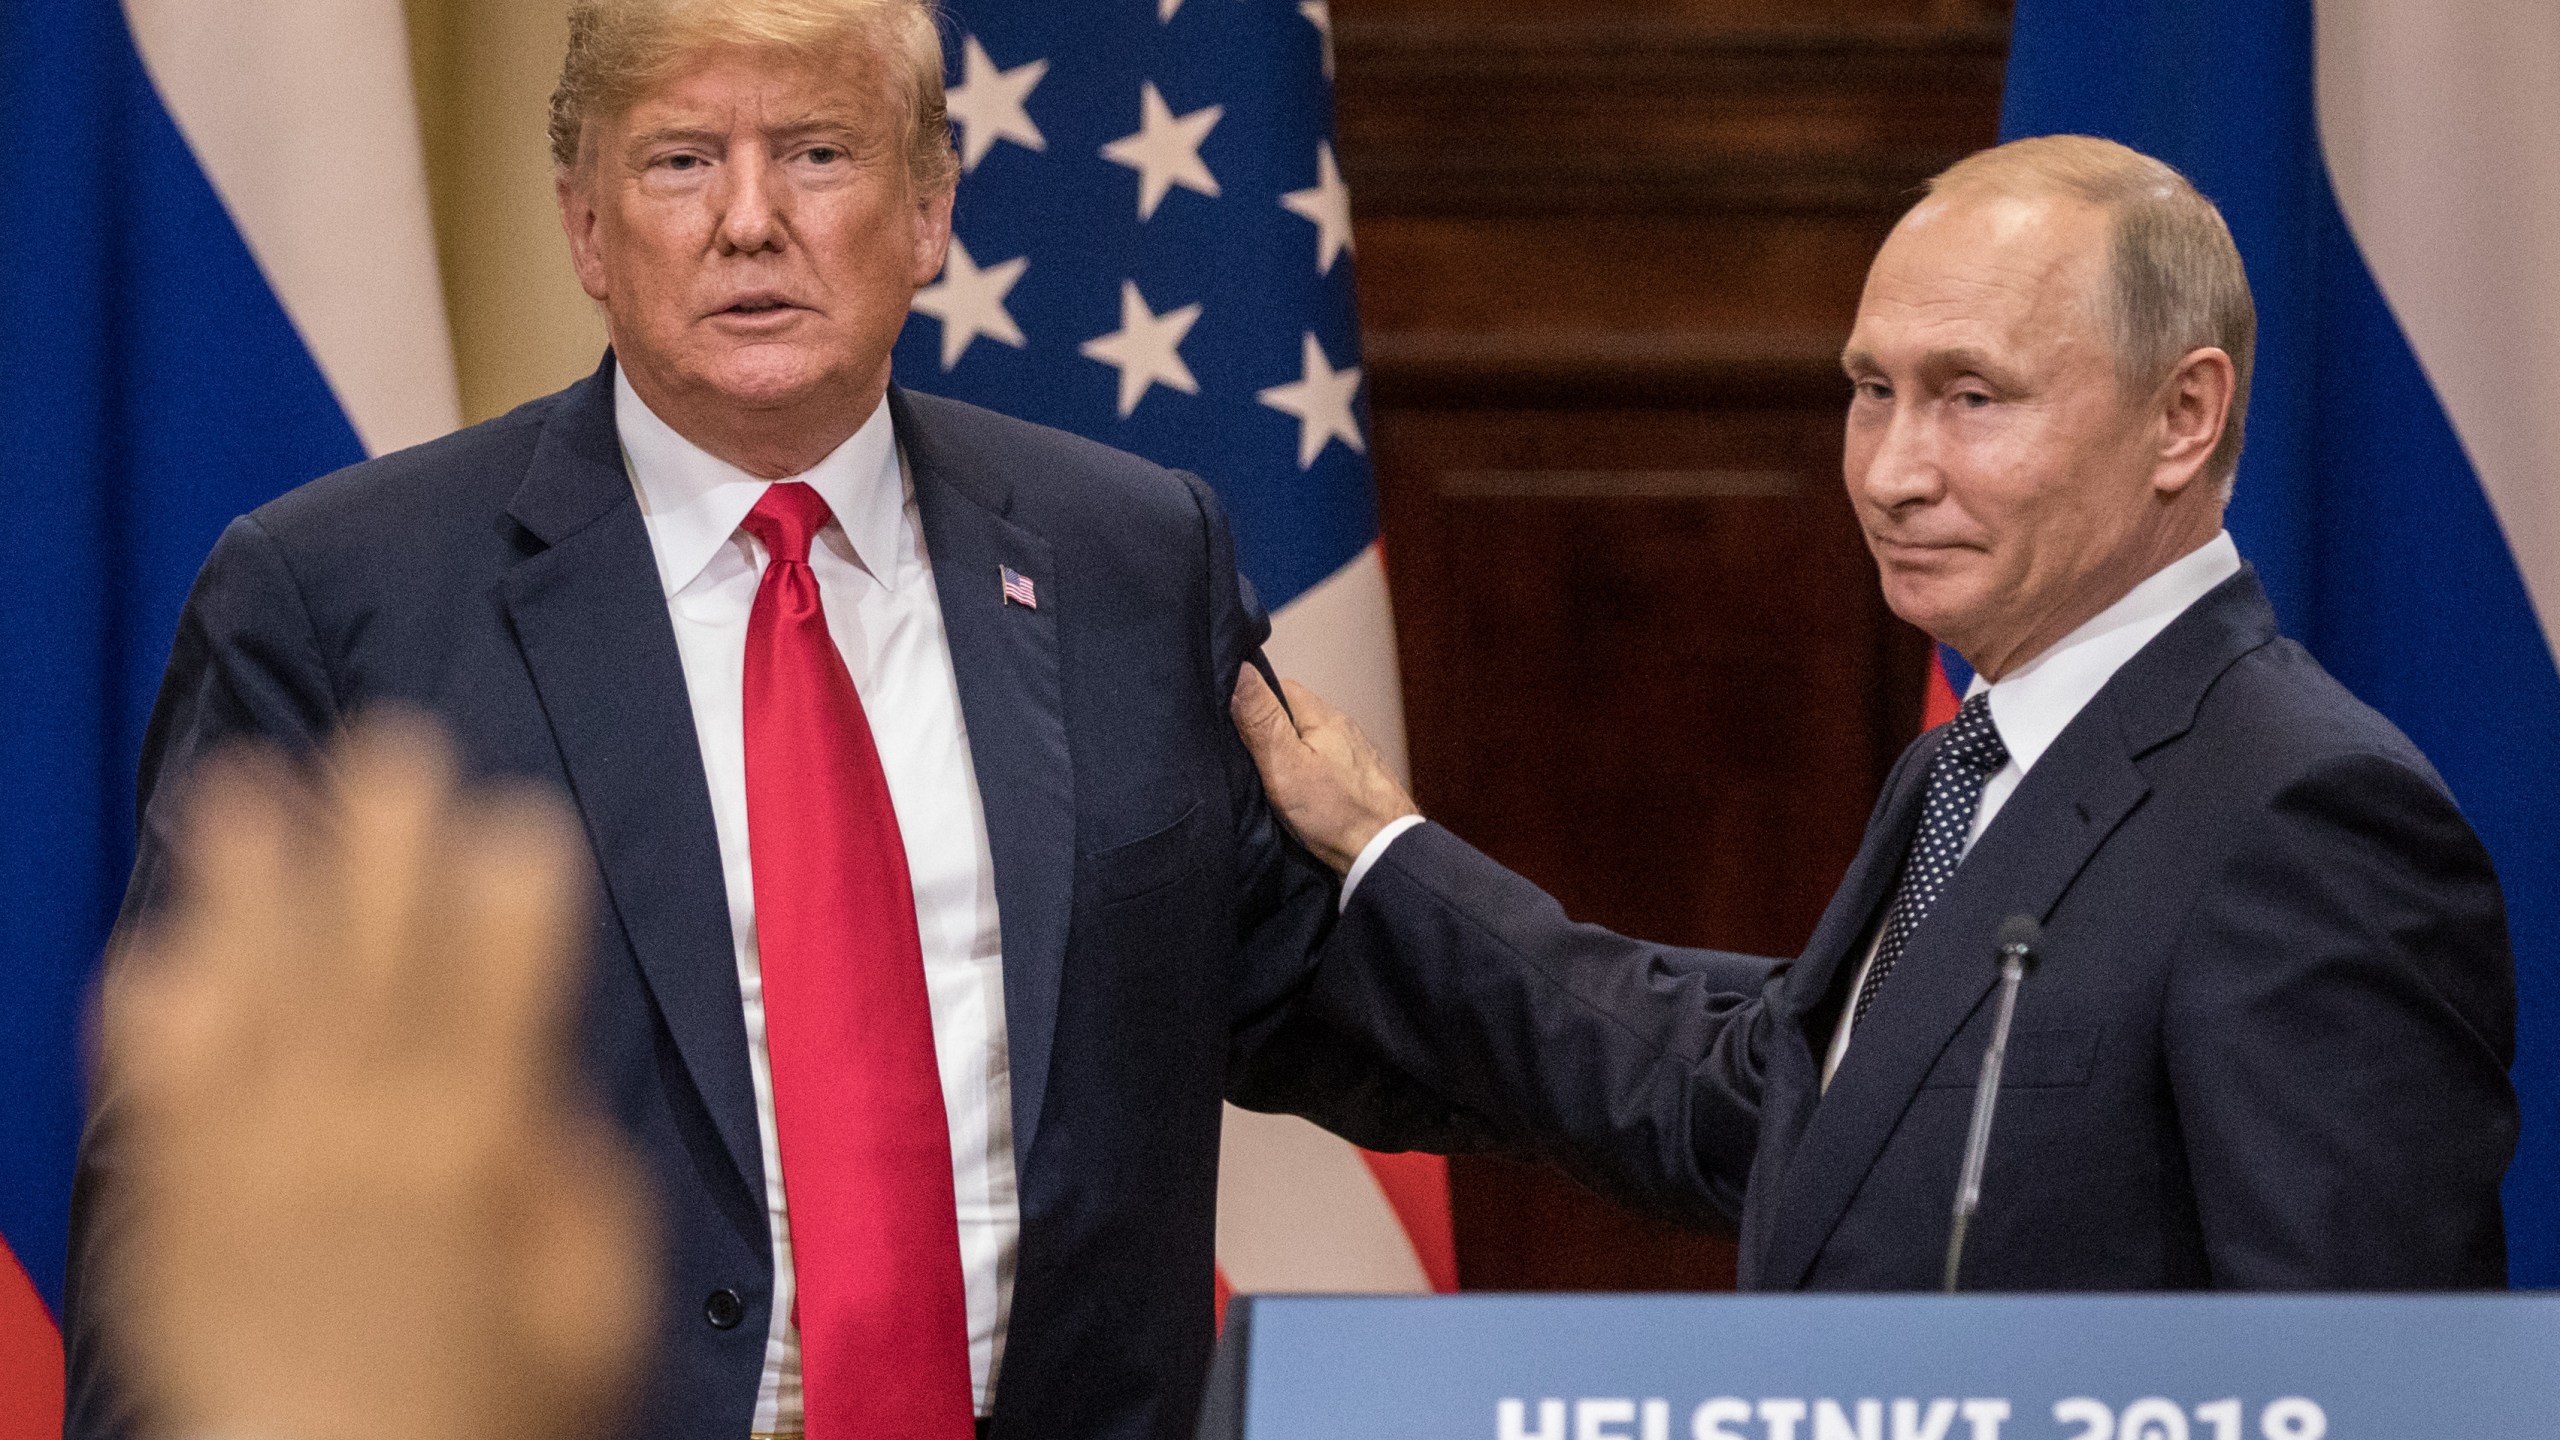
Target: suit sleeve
2340,1021
246,666
1636,1068
1282,1056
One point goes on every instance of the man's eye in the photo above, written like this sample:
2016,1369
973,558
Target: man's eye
1971,399
682,162
1875,390
824,154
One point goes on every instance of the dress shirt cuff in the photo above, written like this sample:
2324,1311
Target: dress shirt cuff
1370,852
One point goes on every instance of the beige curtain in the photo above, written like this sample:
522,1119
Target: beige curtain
521,326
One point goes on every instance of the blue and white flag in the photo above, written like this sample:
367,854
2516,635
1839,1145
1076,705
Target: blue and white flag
1152,247
2392,174
221,283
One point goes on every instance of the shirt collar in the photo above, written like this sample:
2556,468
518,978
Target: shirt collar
2034,703
694,501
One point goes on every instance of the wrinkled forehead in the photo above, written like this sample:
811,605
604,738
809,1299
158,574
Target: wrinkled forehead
2025,270
843,83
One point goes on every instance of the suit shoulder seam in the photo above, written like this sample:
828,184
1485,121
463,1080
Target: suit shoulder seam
283,561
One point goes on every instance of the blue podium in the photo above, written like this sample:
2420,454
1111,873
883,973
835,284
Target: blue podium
1704,1367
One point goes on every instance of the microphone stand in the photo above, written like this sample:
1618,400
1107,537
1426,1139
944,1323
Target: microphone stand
2017,941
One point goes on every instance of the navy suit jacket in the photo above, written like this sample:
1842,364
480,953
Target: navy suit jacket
1155,920
2267,1046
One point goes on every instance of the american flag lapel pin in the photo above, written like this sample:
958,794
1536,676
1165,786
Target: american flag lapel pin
1018,588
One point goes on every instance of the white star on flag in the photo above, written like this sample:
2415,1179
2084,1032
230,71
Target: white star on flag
1147,347
970,302
987,104
1166,150
1165,9
1321,399
1328,204
1320,15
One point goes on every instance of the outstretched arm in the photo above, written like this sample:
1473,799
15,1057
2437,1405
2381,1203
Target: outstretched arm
1635,1067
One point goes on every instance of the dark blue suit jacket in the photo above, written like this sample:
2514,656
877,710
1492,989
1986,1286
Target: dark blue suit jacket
2267,1047
1155,920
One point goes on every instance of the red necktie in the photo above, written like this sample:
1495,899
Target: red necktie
857,1101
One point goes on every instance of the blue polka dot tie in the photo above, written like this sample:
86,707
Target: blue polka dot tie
1965,762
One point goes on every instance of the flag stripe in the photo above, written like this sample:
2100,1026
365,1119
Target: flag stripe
1338,639
30,1359
1416,1187
302,114
1298,1210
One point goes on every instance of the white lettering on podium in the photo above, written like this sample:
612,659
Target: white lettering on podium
1511,1420
1906,1417
1590,1415
1831,1423
2152,1418
1709,1420
1781,1417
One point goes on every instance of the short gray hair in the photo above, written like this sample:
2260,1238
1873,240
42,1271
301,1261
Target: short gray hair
2179,284
620,50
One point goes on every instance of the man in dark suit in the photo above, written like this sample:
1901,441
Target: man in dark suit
2267,1047
937,901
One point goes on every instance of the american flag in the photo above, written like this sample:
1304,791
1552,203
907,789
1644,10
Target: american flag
1017,587
1152,247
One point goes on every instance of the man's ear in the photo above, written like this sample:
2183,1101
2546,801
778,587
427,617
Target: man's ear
2194,406
579,221
933,234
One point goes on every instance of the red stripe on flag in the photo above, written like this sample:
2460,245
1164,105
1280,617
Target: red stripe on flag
1225,1293
30,1358
1417,1186
1939,706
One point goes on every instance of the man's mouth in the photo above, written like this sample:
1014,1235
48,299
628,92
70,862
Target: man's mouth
758,305
1910,548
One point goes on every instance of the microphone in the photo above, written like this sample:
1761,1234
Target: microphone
2017,953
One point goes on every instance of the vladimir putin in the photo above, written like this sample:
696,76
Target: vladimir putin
2268,1044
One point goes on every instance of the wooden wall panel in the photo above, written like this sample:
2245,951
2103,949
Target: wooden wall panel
1608,254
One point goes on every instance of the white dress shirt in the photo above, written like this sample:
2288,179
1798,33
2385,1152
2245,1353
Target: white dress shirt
877,585
2033,704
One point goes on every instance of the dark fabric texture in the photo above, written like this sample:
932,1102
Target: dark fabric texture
1969,753
1157,923
2267,1047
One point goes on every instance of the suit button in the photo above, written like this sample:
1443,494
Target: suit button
723,1309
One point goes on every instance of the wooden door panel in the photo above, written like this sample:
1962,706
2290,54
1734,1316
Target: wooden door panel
1608,254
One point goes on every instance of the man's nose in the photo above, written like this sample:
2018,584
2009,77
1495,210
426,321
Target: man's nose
1903,464
753,209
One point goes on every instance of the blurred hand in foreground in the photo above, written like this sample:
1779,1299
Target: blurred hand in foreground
362,1200
1321,773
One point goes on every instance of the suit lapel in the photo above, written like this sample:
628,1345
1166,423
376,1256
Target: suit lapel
1796,1074
591,621
1012,698
2076,796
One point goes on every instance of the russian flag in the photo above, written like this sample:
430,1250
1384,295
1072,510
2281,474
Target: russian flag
2392,175
222,283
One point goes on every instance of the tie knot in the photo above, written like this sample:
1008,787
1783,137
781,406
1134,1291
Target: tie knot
1972,739
787,518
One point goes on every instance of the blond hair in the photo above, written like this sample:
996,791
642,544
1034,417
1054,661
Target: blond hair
620,50
2178,282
